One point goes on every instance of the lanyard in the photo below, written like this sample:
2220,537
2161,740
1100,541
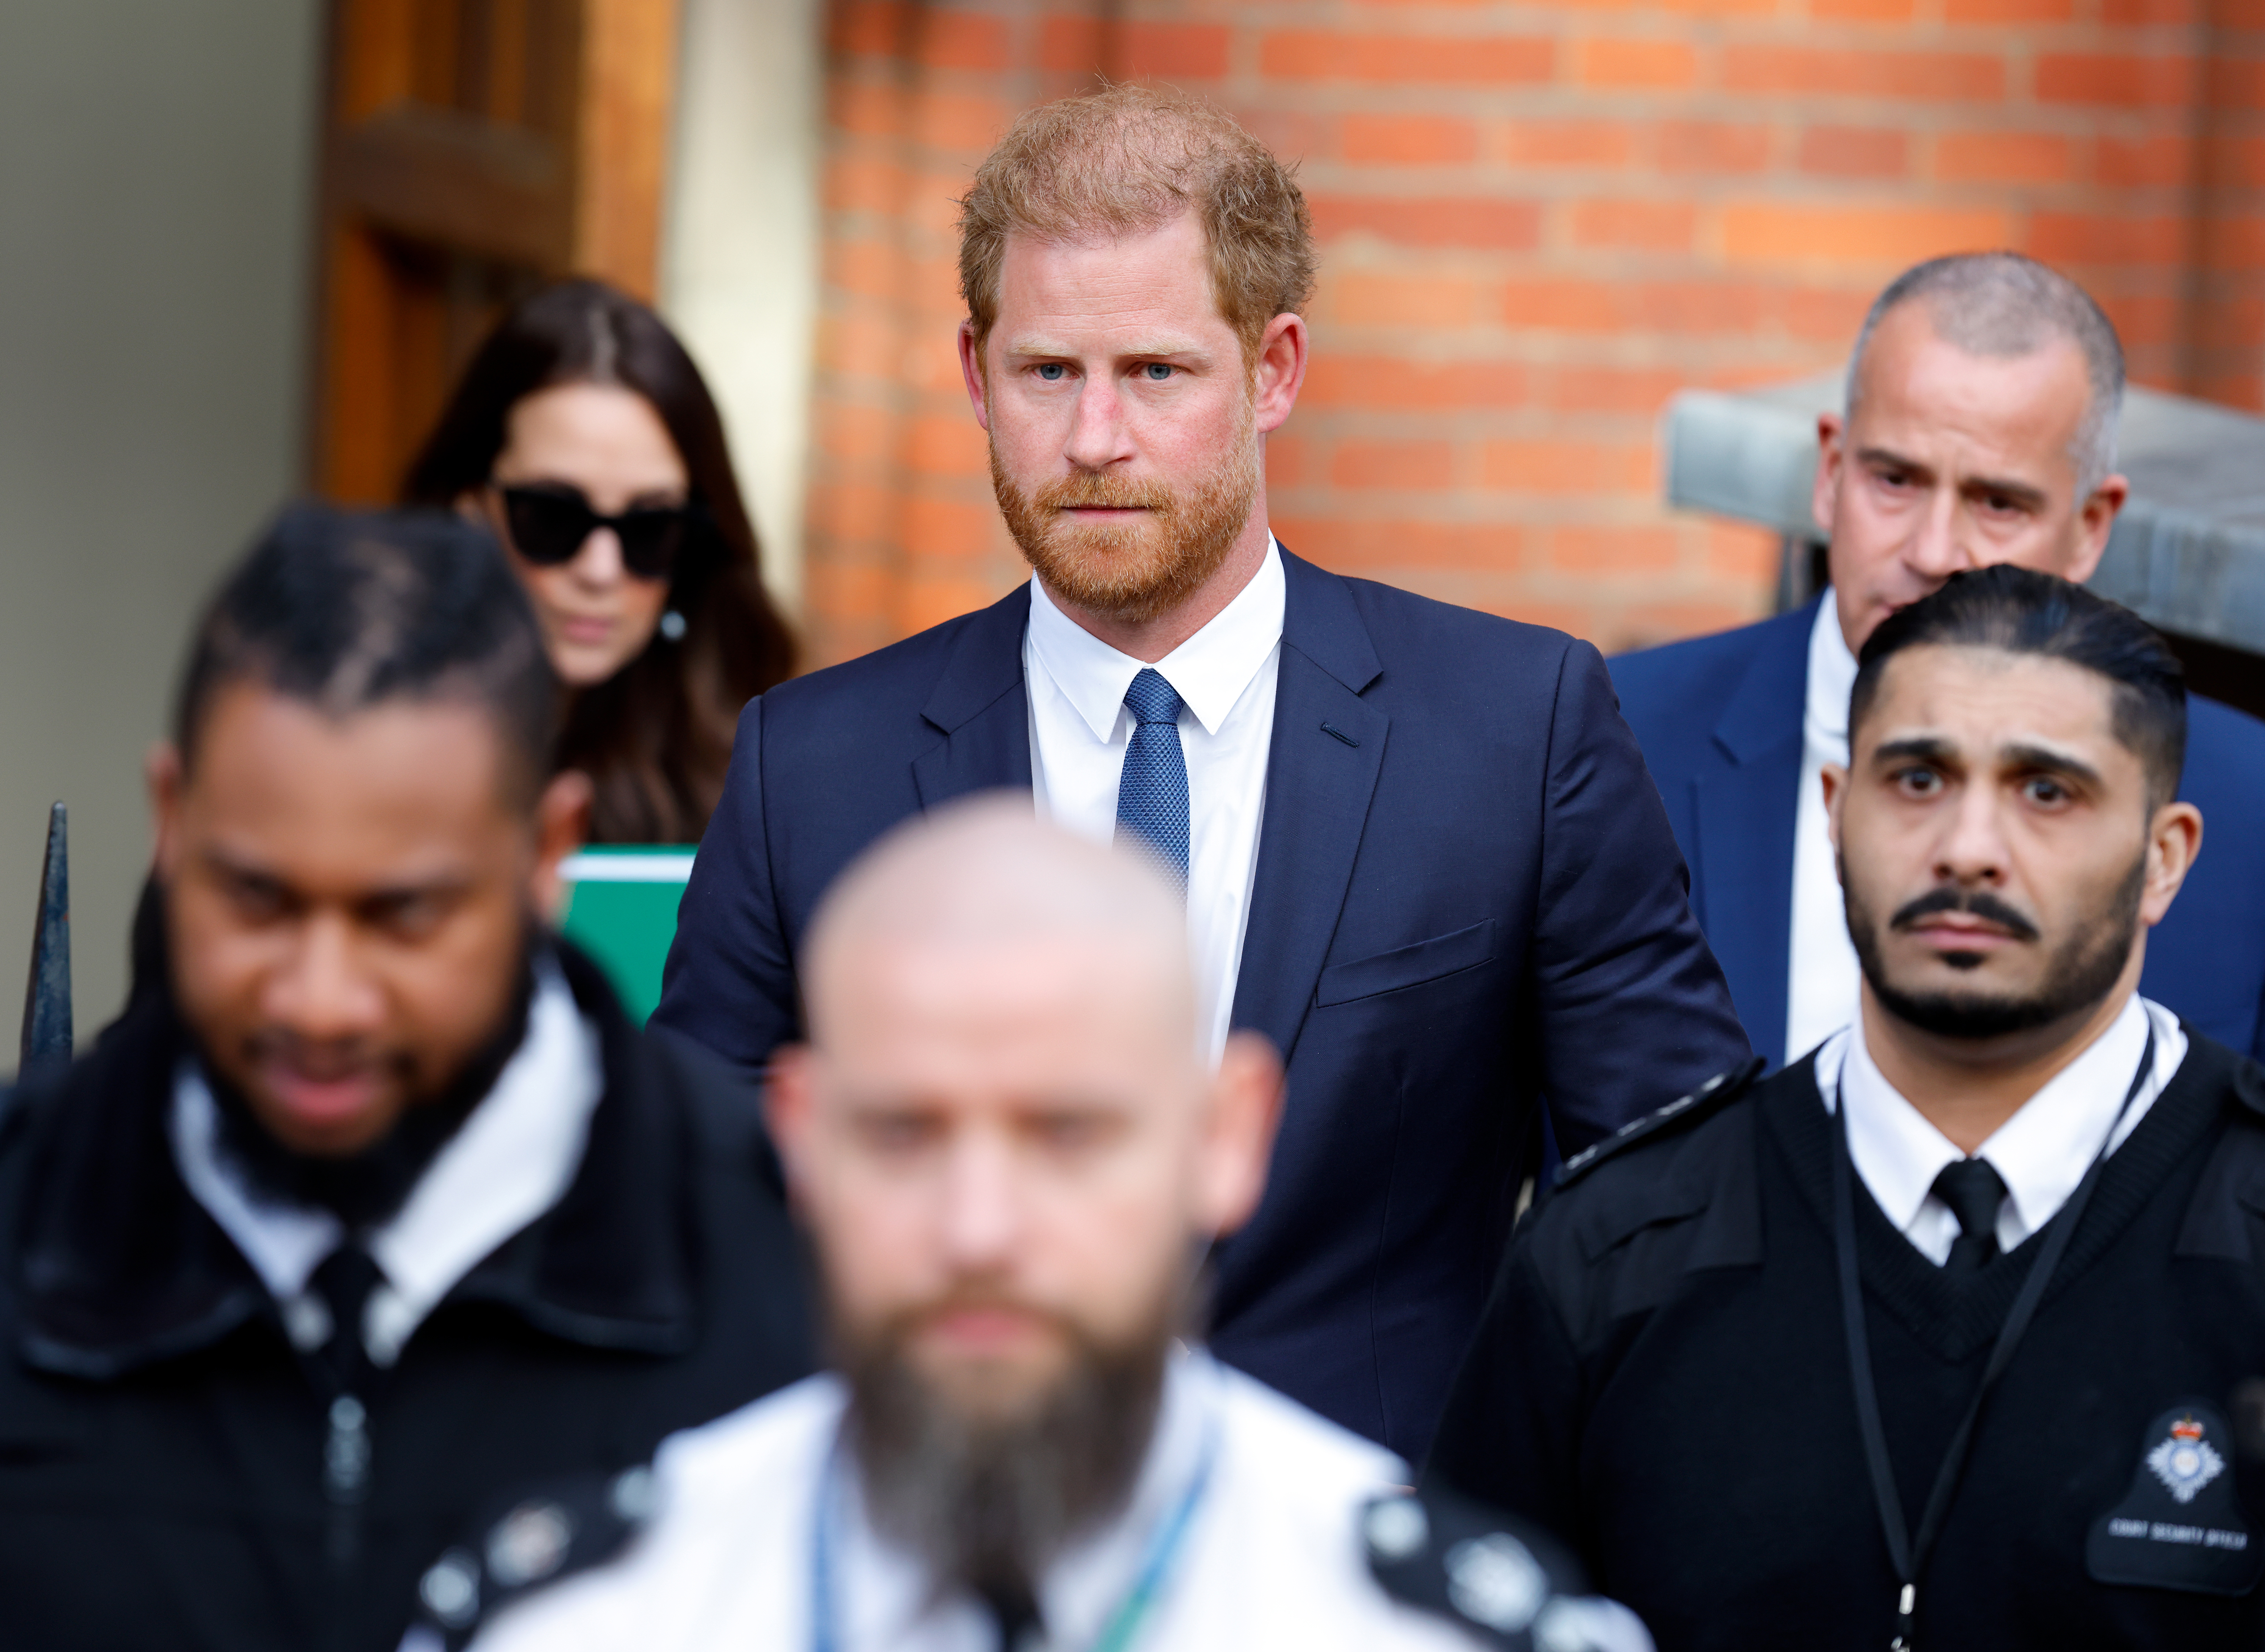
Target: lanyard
1909,1554
1124,1624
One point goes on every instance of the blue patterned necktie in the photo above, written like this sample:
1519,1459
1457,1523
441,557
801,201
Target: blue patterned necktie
1152,795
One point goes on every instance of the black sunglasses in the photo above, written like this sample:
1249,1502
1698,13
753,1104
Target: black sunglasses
551,524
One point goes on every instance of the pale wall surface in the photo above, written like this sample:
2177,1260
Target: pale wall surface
740,245
156,191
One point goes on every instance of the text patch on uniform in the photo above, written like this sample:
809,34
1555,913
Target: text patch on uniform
2180,1526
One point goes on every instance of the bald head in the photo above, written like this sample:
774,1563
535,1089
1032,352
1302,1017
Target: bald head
983,901
1001,1134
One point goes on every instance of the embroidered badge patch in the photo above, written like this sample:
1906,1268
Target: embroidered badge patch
2186,1461
2180,1525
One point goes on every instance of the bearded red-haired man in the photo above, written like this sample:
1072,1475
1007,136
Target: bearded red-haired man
1421,853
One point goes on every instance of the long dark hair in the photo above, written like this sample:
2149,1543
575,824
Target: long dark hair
656,737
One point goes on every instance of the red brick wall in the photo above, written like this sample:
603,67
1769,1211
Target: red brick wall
1537,222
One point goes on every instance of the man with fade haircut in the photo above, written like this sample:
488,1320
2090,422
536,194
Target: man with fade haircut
1421,854
1940,1336
1011,1152
373,1208
1983,400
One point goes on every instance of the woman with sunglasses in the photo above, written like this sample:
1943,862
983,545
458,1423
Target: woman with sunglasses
584,435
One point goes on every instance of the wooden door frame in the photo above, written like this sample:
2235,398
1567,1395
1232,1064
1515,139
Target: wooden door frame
578,191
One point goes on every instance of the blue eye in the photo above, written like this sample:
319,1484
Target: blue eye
1158,370
1052,372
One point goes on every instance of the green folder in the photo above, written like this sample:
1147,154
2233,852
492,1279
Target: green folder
620,909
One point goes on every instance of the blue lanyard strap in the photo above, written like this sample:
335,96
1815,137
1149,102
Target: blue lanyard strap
1163,1549
1124,1625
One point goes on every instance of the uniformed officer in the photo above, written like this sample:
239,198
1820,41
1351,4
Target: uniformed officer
1935,1338
1009,1150
373,1205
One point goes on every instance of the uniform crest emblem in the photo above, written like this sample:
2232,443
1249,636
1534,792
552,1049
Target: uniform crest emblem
2184,1460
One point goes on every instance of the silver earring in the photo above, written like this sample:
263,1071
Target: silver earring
672,626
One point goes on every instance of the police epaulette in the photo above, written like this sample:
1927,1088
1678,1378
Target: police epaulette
550,1532
1687,1109
1503,1584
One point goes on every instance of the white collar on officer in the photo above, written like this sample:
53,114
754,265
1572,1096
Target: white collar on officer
885,1597
1209,670
2043,1151
512,1159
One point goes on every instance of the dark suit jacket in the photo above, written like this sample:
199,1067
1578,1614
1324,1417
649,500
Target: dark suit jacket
1719,719
1465,897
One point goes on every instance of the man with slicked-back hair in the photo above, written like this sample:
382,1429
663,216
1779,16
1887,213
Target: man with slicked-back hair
1980,429
1946,1334
1421,854
373,1221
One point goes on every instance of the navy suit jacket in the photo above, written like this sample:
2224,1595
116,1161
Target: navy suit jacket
1467,897
1719,719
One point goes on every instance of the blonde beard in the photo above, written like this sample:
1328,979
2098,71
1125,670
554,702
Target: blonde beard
1133,573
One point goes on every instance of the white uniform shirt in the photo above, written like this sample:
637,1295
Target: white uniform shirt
1225,675
2043,1151
1821,968
1272,1557
511,1160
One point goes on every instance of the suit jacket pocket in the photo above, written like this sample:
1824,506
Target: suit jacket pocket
1406,966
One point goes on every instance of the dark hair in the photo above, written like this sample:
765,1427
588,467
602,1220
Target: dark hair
348,610
655,738
2024,612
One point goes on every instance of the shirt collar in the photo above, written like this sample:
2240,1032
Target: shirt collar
514,1157
2043,1151
1209,670
1831,677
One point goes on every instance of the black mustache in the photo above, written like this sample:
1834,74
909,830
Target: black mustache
1980,902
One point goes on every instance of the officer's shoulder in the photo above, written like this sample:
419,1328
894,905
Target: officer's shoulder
1303,1485
1656,1130
1665,1167
548,1532
1502,1583
702,1483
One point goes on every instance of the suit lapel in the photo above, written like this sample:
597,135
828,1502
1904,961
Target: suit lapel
980,708
1746,809
1327,750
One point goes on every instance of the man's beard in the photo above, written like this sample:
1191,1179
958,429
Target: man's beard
366,1188
988,1503
2079,976
1134,571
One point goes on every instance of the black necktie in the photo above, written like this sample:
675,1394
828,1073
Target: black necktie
1013,1611
1974,1190
345,1280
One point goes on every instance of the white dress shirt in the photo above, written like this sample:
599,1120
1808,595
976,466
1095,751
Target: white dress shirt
2041,1151
511,1161
1821,968
1225,675
1272,1556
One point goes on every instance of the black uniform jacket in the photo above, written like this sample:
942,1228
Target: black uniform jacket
1662,1379
161,1449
